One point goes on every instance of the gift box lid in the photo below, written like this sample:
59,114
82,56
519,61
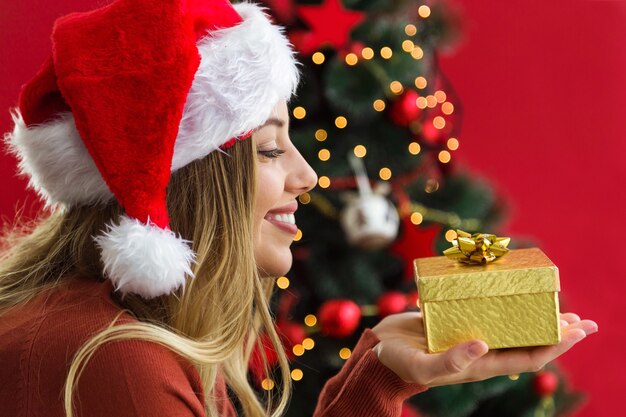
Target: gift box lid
521,271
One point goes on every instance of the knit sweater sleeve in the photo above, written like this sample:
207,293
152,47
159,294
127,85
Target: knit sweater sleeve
364,386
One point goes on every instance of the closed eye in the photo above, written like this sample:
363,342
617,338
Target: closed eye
274,153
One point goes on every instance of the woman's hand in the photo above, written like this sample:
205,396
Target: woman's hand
402,349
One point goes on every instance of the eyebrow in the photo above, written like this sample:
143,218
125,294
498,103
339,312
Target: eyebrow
272,121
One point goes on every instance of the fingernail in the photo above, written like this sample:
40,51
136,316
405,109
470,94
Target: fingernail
475,350
592,330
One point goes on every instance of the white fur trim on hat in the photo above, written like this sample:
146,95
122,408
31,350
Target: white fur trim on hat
144,259
57,162
244,72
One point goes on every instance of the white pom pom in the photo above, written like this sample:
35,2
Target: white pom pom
144,259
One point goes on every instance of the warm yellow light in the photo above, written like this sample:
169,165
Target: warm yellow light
440,96
410,30
296,374
345,353
447,108
341,122
282,283
421,102
360,151
384,173
396,87
318,58
298,236
453,144
414,148
386,52
324,181
421,83
323,154
408,45
417,53
298,350
423,11
267,384
444,157
450,235
310,320
352,59
299,112
308,343
416,218
321,135
514,377
305,198
431,101
379,105
367,53
431,186
439,122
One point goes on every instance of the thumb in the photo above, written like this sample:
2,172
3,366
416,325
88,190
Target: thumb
461,356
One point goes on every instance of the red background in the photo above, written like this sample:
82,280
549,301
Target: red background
543,90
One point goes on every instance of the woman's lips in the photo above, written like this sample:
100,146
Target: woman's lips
284,221
283,217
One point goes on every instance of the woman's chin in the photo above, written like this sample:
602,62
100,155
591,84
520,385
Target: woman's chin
274,266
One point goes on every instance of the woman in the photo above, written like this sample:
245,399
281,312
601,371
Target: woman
144,289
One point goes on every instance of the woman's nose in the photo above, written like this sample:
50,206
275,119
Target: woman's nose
304,177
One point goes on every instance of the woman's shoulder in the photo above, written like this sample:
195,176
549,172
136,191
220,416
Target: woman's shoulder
44,335
73,311
63,316
77,311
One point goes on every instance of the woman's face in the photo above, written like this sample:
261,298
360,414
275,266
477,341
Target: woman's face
282,175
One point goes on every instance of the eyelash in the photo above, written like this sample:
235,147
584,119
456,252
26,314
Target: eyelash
274,153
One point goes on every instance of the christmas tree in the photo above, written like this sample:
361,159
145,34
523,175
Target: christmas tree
380,124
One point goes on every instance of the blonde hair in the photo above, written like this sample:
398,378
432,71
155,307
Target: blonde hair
214,321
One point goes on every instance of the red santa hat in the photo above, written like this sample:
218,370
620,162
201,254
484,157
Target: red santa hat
134,91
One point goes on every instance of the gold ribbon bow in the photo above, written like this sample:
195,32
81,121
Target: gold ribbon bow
479,248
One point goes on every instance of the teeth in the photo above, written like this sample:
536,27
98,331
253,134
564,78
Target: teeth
286,218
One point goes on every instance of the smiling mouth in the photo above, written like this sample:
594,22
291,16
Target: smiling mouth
284,221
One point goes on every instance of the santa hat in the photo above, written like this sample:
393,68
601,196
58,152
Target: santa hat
134,91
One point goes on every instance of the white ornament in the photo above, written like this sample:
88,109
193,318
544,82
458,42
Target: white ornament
369,220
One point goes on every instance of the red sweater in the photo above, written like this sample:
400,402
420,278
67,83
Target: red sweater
135,378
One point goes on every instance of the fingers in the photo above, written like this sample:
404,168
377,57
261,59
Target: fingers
513,361
454,366
588,326
455,360
539,357
570,317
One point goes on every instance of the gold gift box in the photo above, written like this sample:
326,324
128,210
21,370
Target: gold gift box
512,302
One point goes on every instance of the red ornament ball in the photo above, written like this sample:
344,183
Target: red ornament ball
545,383
339,318
430,133
392,302
404,110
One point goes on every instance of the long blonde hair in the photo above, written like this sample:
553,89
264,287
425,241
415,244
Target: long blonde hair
214,321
